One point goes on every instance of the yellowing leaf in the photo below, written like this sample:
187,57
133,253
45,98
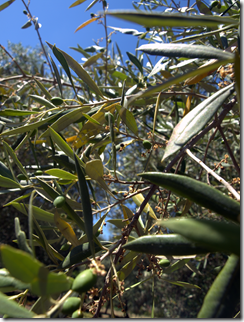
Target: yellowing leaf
128,119
84,24
196,79
188,105
76,3
94,169
138,199
91,129
66,230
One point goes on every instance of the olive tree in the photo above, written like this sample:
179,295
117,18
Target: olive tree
149,143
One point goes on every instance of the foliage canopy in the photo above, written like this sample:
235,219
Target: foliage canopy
85,144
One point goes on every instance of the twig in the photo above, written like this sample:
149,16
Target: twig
121,242
39,36
215,175
122,200
106,35
229,149
206,150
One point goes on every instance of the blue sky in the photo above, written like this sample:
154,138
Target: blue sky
59,23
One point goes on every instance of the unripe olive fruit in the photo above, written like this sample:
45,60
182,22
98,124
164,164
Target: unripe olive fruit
147,144
77,314
25,12
106,115
164,262
57,101
71,304
59,201
84,281
21,176
38,173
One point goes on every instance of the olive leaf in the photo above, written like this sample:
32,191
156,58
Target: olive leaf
195,120
196,191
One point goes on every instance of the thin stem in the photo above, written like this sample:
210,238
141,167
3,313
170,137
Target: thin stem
229,149
215,175
106,35
206,150
39,36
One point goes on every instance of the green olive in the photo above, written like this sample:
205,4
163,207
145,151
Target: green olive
59,201
21,176
84,281
38,173
164,262
77,314
147,144
57,101
70,305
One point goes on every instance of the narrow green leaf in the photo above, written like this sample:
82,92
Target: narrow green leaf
42,101
12,112
91,119
8,183
61,143
220,289
12,309
20,264
55,69
29,127
67,119
176,80
198,192
62,174
9,284
182,50
78,254
83,239
79,70
86,205
61,58
119,223
148,19
128,268
43,89
220,236
90,61
203,8
6,4
91,4
168,244
5,172
195,120
135,61
38,213
8,150
175,266
182,284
